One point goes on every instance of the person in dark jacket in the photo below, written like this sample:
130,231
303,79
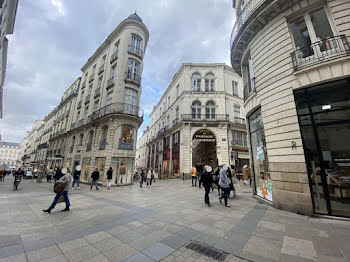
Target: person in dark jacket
76,177
142,177
207,181
95,176
224,185
109,177
58,174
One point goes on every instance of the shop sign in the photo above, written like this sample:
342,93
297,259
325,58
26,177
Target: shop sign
205,137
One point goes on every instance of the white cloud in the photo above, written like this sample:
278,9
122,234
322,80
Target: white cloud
59,5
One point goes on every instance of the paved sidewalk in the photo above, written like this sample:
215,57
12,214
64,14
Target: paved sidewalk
168,222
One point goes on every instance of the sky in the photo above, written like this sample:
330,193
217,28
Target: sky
53,39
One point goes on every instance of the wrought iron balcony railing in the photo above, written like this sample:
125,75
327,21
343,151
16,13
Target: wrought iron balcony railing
114,57
101,69
135,50
320,51
249,89
205,117
133,78
110,82
175,122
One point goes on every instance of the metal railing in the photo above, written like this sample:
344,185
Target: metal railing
205,117
97,92
320,51
92,77
87,99
101,69
175,121
132,77
135,50
249,89
110,82
238,120
162,130
114,56
246,12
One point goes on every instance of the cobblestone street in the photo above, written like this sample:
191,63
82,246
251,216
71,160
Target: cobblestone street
158,224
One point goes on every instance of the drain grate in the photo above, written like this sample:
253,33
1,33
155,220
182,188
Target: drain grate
207,250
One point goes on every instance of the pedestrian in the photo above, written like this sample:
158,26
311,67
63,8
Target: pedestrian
150,176
2,175
194,176
224,184
62,185
58,173
49,175
207,181
76,177
142,177
109,177
229,176
95,176
246,175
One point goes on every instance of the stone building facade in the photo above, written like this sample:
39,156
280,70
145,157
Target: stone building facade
294,60
8,155
198,121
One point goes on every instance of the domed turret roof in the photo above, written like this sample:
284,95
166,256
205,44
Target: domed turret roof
135,17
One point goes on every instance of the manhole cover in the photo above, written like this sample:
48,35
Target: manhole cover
207,250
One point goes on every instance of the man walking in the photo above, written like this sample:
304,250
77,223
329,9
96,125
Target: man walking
207,181
76,177
142,177
194,176
109,177
224,184
95,176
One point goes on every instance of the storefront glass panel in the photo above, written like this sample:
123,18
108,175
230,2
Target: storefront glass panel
324,119
100,165
122,170
85,169
262,180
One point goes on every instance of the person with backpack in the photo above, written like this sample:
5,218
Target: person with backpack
95,176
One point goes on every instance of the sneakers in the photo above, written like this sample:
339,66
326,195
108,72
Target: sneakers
78,187
72,188
228,206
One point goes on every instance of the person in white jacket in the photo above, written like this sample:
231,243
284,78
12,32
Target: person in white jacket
150,177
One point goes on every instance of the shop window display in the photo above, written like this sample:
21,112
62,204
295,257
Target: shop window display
263,183
85,170
100,165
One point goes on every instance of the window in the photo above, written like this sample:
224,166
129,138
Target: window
136,45
130,101
196,109
177,91
236,111
99,83
176,138
116,47
209,83
93,69
239,138
113,71
96,105
210,110
133,69
89,141
126,137
177,113
310,28
103,138
81,137
90,89
109,98
86,111
234,88
196,82
103,60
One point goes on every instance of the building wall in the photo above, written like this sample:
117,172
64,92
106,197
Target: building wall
275,79
8,155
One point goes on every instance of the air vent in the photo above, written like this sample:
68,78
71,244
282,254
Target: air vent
207,250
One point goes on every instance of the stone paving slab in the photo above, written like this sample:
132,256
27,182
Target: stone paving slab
127,222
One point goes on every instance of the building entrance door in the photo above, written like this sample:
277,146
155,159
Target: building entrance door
324,119
204,149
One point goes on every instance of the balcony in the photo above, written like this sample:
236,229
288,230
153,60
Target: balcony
79,104
205,118
87,99
101,69
239,121
162,130
132,78
126,144
321,51
175,122
114,57
97,92
135,51
249,89
91,78
110,82
102,144
88,147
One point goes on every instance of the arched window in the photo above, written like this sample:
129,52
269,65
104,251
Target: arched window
196,109
196,82
126,137
81,137
89,141
210,110
209,83
103,138
72,145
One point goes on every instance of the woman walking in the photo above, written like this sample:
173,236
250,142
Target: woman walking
224,185
150,176
62,188
109,177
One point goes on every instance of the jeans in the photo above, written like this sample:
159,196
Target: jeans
195,180
206,196
225,193
58,195
149,182
76,180
94,183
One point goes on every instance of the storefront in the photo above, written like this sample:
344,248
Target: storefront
324,119
260,164
122,170
100,165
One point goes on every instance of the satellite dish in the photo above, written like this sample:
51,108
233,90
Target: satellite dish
225,167
78,168
64,171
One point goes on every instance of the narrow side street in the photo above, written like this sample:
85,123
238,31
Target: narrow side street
167,222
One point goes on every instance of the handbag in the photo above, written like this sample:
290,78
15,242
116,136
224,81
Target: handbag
59,187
